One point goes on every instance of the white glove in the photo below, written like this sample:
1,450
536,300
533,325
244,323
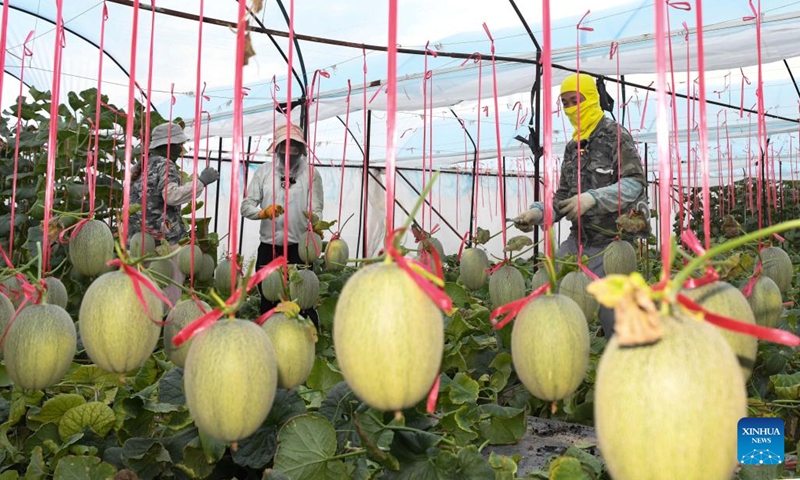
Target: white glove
569,207
528,219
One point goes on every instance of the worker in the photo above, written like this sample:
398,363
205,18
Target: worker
265,201
612,180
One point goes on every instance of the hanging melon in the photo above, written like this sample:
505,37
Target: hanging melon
573,285
185,261
304,288
336,254
506,285
766,302
550,346
619,258
473,268
309,246
206,271
91,248
293,340
164,270
778,266
389,337
6,312
118,333
56,293
656,404
726,300
184,313
222,278
431,243
541,277
142,244
39,346
11,288
272,287
230,379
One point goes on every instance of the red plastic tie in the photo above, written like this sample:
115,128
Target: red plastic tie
437,295
433,395
513,308
138,279
580,27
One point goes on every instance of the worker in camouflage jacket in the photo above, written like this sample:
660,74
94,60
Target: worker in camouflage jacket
166,192
612,181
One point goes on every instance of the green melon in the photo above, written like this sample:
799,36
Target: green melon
184,313
116,330
550,346
305,289
309,246
91,248
56,293
778,266
766,302
272,286
206,271
619,258
336,254
574,286
40,346
432,243
669,410
506,285
185,264
12,289
726,300
164,271
142,244
389,337
222,278
540,278
230,379
473,268
6,312
293,341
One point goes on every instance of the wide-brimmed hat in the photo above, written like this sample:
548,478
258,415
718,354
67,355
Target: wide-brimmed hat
165,133
291,131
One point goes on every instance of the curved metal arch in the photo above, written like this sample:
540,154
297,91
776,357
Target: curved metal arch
90,42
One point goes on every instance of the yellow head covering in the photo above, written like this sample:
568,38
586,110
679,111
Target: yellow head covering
590,113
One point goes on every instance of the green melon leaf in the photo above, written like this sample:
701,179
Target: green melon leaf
457,294
271,474
323,377
306,445
481,236
55,408
94,376
787,387
213,449
505,468
96,416
760,472
83,468
5,380
37,469
170,387
586,458
504,425
20,403
9,475
503,364
517,243
567,468
195,463
257,450
463,389
146,456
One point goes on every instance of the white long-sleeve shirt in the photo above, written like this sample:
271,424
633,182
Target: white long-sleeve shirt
265,190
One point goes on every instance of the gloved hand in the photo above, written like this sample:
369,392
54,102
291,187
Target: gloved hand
272,212
209,175
528,219
569,207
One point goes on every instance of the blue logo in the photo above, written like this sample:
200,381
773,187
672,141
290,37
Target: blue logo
760,441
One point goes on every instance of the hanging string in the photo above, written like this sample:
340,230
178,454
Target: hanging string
365,142
703,130
578,29
614,52
425,77
430,152
391,113
52,142
26,52
662,126
476,58
500,177
312,156
547,128
762,128
344,154
97,108
675,131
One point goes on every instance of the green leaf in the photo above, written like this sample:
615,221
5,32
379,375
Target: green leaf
83,468
586,458
9,475
286,405
504,425
94,376
505,468
323,377
760,472
463,389
518,243
146,375
457,294
55,408
170,387
306,444
195,463
325,310
481,236
503,364
96,416
787,387
339,407
20,403
270,474
36,468
213,449
5,380
567,468
257,450
146,456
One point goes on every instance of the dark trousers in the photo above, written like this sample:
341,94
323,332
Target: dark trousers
267,253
